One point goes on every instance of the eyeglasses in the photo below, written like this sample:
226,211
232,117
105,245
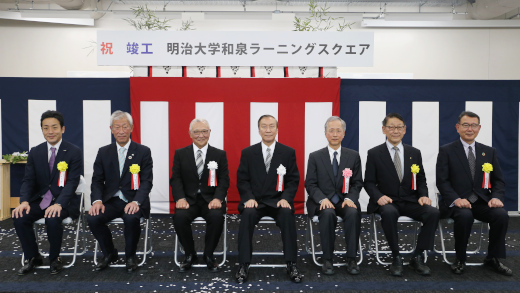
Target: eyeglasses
474,126
118,127
265,126
392,128
200,132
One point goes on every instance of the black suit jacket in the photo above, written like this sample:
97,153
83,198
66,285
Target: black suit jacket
381,177
254,183
38,179
185,180
321,183
454,177
106,180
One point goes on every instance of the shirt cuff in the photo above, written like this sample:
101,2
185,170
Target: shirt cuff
138,204
95,201
346,198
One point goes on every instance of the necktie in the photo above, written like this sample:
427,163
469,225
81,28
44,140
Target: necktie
268,160
121,166
471,159
397,164
47,198
335,197
198,162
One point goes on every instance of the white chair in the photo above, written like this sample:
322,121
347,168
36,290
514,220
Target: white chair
402,220
267,220
201,221
79,230
444,252
309,235
147,245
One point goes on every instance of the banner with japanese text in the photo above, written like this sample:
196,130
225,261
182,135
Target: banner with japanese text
181,48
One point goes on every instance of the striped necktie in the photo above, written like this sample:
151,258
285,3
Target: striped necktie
199,163
268,160
397,164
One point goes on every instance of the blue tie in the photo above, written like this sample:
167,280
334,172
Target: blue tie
335,167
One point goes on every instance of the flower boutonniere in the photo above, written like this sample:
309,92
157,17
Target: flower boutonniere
415,169
62,167
212,179
347,173
487,168
281,171
135,169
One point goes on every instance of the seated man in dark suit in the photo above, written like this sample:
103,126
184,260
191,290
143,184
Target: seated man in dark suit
199,192
471,186
396,184
267,180
333,183
121,186
48,191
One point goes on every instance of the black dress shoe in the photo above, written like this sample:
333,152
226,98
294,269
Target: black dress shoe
419,265
458,267
243,272
106,261
212,263
131,264
293,272
56,266
499,267
396,269
29,265
189,260
352,266
327,268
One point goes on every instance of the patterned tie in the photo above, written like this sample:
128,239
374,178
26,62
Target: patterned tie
471,159
47,198
397,164
335,167
268,160
199,163
121,166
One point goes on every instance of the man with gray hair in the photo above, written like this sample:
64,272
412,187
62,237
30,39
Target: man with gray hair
200,180
333,182
121,186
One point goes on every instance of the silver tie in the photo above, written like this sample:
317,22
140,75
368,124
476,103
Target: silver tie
199,163
471,159
268,160
397,164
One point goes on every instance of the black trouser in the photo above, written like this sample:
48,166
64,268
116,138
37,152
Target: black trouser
115,208
214,226
284,218
24,229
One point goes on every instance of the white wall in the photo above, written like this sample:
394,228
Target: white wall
32,49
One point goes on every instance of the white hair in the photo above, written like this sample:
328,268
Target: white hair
118,115
198,120
336,118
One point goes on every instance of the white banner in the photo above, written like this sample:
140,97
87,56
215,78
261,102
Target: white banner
197,48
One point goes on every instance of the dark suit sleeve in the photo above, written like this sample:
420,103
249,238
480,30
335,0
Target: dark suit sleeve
371,178
291,179
442,173
98,179
176,180
311,180
497,180
244,178
223,178
422,187
74,170
145,176
356,181
29,179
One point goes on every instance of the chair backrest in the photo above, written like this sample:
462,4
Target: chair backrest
82,186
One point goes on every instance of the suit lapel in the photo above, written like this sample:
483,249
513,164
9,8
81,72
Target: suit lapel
43,159
459,150
62,151
190,153
408,158
480,156
325,159
130,158
387,160
344,162
114,158
258,162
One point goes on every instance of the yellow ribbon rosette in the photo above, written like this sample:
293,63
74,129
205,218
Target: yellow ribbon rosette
415,169
62,166
487,168
134,169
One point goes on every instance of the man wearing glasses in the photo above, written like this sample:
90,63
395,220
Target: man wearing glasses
471,186
396,184
200,180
